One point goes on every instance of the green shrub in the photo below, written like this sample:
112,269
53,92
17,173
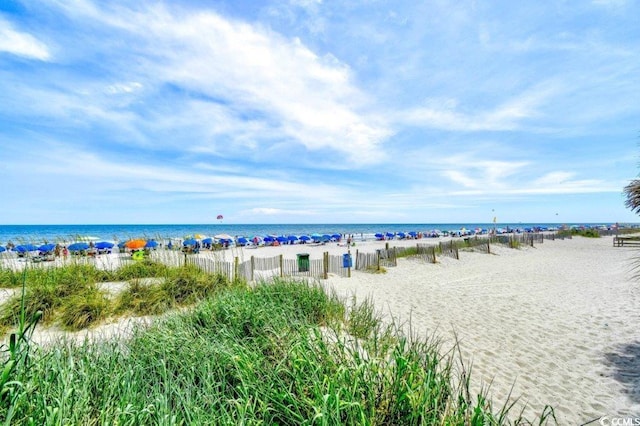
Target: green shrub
141,299
83,310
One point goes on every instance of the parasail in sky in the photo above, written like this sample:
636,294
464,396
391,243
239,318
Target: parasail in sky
219,217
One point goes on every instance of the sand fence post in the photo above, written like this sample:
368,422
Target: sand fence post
281,266
236,267
378,258
434,254
325,265
488,248
253,266
356,262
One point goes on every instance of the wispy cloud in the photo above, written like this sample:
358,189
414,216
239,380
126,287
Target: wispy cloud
21,43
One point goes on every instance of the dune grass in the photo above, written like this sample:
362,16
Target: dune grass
284,352
69,296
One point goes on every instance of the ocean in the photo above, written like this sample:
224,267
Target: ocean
36,234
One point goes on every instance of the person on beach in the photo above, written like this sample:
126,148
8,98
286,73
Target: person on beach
65,251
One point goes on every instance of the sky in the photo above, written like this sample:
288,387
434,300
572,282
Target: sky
318,111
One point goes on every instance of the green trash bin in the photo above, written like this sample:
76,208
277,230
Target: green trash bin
303,262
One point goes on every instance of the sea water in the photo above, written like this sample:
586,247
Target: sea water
36,234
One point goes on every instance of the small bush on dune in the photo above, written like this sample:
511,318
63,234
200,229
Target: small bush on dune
141,299
189,284
84,310
144,269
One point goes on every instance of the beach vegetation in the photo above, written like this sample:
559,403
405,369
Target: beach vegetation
283,352
587,233
375,269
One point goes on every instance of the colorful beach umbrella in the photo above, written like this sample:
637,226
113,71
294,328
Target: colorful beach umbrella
23,248
79,246
47,247
102,245
135,244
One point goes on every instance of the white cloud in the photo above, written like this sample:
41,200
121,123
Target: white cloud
312,100
21,43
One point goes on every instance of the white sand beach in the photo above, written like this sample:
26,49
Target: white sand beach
558,322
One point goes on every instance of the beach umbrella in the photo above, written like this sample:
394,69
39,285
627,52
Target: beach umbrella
47,247
269,239
223,237
121,244
2,249
305,238
102,245
336,237
135,244
151,244
23,248
189,242
207,240
242,240
390,235
326,237
292,238
282,239
379,236
413,234
78,246
402,234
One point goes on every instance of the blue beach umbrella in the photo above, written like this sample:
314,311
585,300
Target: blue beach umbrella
23,248
242,240
292,238
2,248
269,239
78,246
207,240
151,244
401,234
47,247
379,236
189,242
326,237
282,239
413,234
305,238
102,245
390,235
121,244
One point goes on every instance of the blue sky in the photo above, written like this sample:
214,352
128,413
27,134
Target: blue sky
310,111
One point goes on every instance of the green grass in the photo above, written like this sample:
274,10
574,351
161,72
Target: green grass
282,353
69,295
